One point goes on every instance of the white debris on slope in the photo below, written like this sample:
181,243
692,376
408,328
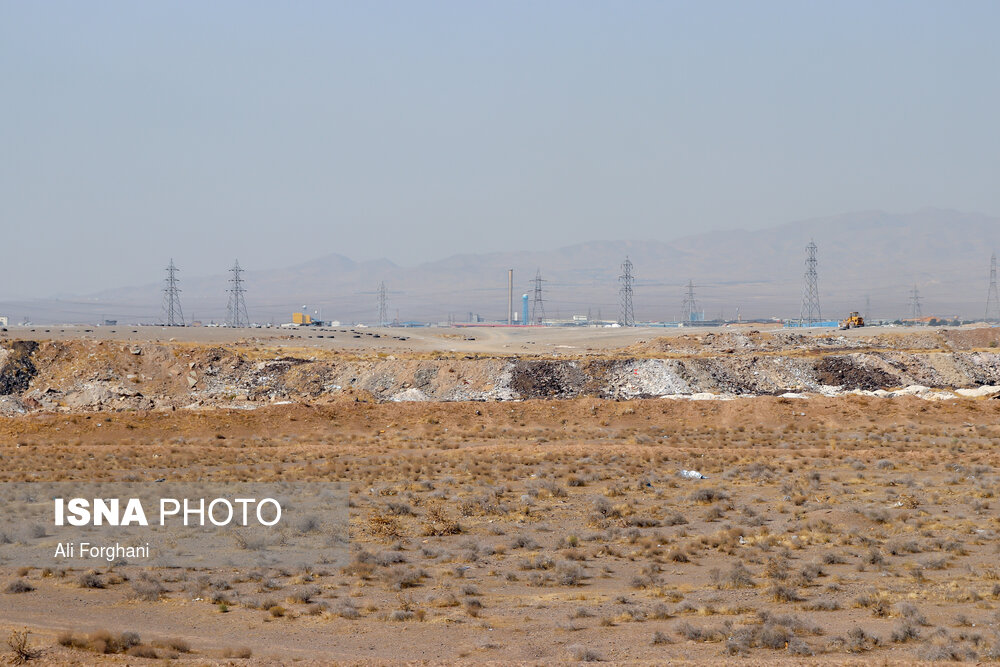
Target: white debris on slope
912,390
919,391
502,374
407,395
939,396
11,406
649,377
979,392
923,392
705,396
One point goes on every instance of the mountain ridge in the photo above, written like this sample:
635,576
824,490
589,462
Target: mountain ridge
866,253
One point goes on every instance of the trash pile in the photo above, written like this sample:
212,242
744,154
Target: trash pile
105,375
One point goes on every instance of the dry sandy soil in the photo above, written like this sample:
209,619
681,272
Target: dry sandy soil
474,339
830,529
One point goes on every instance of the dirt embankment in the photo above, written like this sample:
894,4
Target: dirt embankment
106,375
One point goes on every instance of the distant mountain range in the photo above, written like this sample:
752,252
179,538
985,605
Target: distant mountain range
871,254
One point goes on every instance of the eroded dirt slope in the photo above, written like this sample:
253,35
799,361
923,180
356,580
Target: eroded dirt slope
109,375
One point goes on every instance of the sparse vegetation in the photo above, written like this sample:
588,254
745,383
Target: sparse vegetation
90,580
20,646
19,586
101,641
569,517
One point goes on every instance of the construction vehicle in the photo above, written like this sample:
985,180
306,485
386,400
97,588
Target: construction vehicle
853,321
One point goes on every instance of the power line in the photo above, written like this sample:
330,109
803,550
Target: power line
236,310
915,311
172,312
810,313
383,305
538,304
627,315
992,300
690,309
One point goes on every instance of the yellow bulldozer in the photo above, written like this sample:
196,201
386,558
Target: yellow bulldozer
853,321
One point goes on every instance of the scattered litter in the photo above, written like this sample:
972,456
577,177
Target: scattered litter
692,474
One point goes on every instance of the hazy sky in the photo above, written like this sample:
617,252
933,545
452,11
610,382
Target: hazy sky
135,131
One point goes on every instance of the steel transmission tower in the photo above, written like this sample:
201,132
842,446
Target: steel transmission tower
383,305
915,311
538,304
627,316
690,308
809,313
172,313
992,300
236,311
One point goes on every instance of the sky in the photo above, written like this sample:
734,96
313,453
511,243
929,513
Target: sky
131,132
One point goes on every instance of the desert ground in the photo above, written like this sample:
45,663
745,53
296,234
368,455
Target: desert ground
473,338
519,497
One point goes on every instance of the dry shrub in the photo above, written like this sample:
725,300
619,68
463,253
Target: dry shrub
904,632
700,634
362,565
304,595
473,606
780,593
708,496
878,602
398,577
241,652
90,580
569,574
347,609
677,556
738,576
523,541
437,522
102,641
580,653
143,652
174,644
859,641
19,586
21,648
822,604
777,569
384,526
674,519
660,638
147,589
